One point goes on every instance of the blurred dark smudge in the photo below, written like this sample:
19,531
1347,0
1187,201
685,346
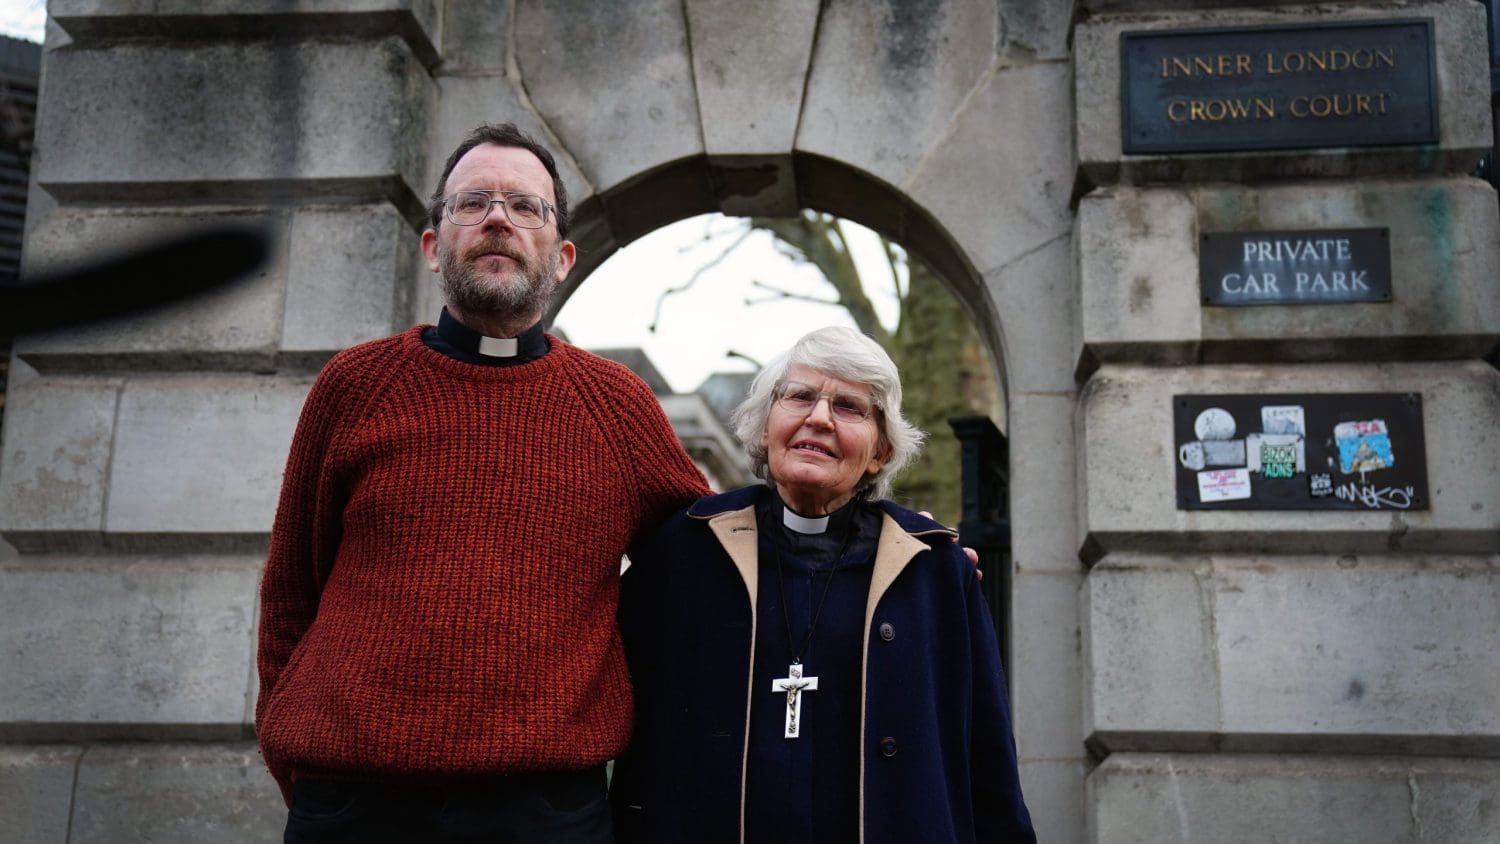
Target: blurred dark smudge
170,271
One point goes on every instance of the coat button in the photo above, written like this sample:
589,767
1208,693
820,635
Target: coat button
887,631
887,746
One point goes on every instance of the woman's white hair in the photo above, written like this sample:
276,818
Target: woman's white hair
849,356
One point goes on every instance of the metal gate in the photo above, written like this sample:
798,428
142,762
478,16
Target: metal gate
985,524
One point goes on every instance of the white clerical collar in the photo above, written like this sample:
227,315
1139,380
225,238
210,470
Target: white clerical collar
495,351
802,524
498,347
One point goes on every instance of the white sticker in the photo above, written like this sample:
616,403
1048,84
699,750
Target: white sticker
1283,419
1223,485
1224,453
1191,455
1214,424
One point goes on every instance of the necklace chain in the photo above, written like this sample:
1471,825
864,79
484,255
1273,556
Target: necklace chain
786,615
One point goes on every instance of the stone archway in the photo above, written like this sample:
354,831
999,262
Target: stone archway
981,190
819,184
951,133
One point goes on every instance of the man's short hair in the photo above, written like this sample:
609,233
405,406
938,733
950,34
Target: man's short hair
504,135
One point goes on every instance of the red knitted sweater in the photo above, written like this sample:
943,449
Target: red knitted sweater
439,601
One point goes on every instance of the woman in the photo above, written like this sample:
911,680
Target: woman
812,663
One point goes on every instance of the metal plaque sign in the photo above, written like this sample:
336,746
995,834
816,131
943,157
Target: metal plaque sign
1318,267
1320,451
1278,87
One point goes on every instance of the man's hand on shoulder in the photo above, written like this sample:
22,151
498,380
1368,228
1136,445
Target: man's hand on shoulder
968,552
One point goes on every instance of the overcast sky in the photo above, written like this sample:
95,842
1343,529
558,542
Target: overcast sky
614,306
23,19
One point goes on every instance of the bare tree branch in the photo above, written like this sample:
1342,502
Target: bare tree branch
894,259
820,242
731,353
779,293
710,235
837,230
697,274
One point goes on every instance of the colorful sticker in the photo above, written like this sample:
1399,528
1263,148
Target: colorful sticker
1276,455
1278,461
1363,446
1223,485
1283,419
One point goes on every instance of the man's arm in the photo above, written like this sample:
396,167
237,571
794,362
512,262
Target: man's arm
304,540
666,477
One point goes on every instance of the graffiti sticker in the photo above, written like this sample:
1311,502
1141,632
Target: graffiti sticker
1276,455
1363,446
1279,461
1299,451
1223,484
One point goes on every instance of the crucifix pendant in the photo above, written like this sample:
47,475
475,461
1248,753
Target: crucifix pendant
794,684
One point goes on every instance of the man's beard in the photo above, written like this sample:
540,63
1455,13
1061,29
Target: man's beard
523,291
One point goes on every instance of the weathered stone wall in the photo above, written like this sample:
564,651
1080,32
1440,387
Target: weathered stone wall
142,458
1176,676
1286,675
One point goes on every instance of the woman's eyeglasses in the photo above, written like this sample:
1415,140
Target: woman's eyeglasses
799,398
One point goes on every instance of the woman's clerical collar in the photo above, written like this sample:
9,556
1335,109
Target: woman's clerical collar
794,522
802,524
459,341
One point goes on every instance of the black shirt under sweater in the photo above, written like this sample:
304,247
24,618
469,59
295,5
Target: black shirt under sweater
460,342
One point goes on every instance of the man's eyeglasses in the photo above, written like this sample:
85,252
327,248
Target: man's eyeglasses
524,210
799,398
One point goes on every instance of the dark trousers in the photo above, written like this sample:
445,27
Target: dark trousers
555,808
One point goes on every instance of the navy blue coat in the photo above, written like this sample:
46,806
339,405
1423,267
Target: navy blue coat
937,753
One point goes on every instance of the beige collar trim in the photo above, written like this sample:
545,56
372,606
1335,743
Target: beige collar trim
736,531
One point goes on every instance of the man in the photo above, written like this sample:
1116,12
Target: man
438,657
